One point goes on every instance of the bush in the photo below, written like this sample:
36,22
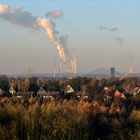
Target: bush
67,120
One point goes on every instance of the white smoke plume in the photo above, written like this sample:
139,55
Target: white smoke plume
70,54
3,8
114,29
54,14
119,40
131,62
64,41
73,61
20,17
74,64
103,27
24,18
48,27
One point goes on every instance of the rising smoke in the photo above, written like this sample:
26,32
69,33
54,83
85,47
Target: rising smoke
47,26
103,27
131,62
18,16
54,14
119,40
113,30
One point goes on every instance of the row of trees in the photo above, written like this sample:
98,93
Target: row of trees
86,85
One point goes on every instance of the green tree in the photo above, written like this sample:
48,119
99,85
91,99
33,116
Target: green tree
4,83
92,88
33,86
53,85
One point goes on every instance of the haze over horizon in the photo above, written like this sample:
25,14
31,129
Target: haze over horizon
101,33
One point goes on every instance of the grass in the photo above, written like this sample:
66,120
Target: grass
67,120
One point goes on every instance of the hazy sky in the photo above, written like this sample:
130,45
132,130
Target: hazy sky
103,33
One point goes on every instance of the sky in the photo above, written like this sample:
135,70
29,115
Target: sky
102,33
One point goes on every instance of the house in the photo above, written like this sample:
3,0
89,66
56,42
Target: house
46,95
12,91
119,94
108,90
41,92
69,90
1,92
136,91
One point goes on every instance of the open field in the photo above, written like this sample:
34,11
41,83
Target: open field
28,119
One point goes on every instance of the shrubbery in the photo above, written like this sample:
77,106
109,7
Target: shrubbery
67,120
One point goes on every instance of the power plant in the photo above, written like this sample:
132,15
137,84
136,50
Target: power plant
68,60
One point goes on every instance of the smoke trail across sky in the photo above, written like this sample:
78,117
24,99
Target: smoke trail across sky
18,16
54,14
113,30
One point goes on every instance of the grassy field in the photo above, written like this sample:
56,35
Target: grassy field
68,120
